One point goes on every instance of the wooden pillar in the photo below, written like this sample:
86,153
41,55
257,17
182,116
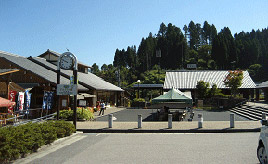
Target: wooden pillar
252,93
257,92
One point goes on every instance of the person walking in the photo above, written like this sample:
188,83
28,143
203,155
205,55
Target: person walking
102,106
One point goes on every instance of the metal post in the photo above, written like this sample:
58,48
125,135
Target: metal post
110,120
200,120
263,116
170,121
232,120
75,97
139,121
58,96
138,90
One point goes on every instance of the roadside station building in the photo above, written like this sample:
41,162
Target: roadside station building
186,80
38,74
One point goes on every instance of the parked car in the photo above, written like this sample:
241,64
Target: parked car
262,150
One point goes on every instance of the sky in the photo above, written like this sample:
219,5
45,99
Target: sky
93,29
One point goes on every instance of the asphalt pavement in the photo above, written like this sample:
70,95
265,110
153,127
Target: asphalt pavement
131,115
238,148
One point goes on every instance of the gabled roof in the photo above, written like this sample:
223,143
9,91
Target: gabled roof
88,80
188,79
58,54
36,69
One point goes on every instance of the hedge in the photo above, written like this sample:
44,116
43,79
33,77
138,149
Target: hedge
82,114
18,141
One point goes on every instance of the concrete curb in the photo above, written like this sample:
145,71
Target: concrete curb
228,130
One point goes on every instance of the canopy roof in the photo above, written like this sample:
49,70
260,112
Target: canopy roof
173,95
6,103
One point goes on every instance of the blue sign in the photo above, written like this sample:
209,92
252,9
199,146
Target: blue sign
48,100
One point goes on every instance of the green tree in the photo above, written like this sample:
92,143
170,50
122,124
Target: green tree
255,71
95,69
214,91
234,80
202,89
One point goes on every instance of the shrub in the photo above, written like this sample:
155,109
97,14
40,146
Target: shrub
82,114
138,100
21,140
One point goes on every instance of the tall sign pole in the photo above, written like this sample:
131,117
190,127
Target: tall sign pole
67,61
75,95
58,96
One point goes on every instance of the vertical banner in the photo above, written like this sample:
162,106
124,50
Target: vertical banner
12,98
50,100
44,106
21,101
28,101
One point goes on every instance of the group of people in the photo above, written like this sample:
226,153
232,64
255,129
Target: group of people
101,106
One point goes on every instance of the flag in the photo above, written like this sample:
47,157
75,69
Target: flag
21,101
12,98
28,101
44,106
50,100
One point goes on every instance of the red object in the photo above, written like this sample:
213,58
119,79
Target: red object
12,98
6,103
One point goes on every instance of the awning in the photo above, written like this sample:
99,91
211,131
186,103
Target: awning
173,95
6,103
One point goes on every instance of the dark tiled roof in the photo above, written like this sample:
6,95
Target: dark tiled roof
58,54
36,69
89,80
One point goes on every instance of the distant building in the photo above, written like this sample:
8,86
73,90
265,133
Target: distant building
186,80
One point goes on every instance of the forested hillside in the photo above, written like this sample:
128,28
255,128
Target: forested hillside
195,44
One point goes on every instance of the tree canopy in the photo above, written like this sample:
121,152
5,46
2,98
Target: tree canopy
196,43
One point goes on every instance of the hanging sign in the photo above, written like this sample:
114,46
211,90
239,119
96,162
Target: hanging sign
63,89
12,98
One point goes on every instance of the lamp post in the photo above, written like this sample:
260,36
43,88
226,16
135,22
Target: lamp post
138,88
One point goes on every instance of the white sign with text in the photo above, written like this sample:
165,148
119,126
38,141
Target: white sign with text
64,89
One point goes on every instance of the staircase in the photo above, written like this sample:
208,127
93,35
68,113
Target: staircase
251,112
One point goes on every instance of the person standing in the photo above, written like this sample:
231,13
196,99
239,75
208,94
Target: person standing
102,106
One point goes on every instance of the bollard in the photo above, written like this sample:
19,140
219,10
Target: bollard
200,120
232,120
139,120
170,121
110,120
263,116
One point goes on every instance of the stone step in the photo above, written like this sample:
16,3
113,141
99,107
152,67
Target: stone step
248,110
245,114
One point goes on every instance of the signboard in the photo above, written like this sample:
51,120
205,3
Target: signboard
200,103
82,103
191,65
158,53
63,89
64,103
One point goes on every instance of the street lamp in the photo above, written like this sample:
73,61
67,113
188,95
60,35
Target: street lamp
138,88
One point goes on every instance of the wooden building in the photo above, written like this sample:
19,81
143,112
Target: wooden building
38,74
